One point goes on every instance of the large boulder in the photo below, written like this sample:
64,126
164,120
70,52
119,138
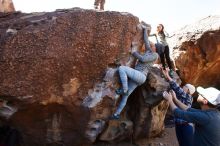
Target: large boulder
196,52
59,73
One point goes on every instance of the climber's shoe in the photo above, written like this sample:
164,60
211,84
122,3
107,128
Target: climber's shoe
120,91
114,117
171,73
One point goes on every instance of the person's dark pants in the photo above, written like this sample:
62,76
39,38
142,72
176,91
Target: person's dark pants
184,134
166,54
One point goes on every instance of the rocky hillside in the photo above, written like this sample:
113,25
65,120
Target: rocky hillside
59,75
197,52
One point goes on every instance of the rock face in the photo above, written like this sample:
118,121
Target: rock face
6,6
197,52
59,74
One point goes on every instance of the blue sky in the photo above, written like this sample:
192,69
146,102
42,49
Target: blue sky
174,14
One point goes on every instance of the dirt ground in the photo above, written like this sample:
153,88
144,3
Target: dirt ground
167,138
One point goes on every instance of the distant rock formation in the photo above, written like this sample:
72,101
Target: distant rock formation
197,52
6,6
59,75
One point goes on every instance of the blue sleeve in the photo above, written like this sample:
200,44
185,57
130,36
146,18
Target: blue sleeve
192,115
175,86
181,94
177,89
193,110
145,58
146,41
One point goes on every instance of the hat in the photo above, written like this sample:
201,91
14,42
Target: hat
211,94
191,88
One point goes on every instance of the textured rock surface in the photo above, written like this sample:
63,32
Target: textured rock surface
6,6
197,52
58,74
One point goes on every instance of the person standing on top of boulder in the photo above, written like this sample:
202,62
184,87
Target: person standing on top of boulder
131,78
184,129
99,4
164,52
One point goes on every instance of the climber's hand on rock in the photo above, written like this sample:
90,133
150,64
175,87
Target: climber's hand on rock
161,67
173,95
143,26
164,71
133,50
167,96
167,69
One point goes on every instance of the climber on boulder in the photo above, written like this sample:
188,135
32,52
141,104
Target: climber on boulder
131,78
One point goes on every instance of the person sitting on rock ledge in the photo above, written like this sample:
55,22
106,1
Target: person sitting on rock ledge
99,4
131,78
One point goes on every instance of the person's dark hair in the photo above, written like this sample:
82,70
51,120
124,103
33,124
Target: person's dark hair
162,31
218,107
211,105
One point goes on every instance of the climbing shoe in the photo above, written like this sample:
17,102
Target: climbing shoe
171,73
114,117
120,91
